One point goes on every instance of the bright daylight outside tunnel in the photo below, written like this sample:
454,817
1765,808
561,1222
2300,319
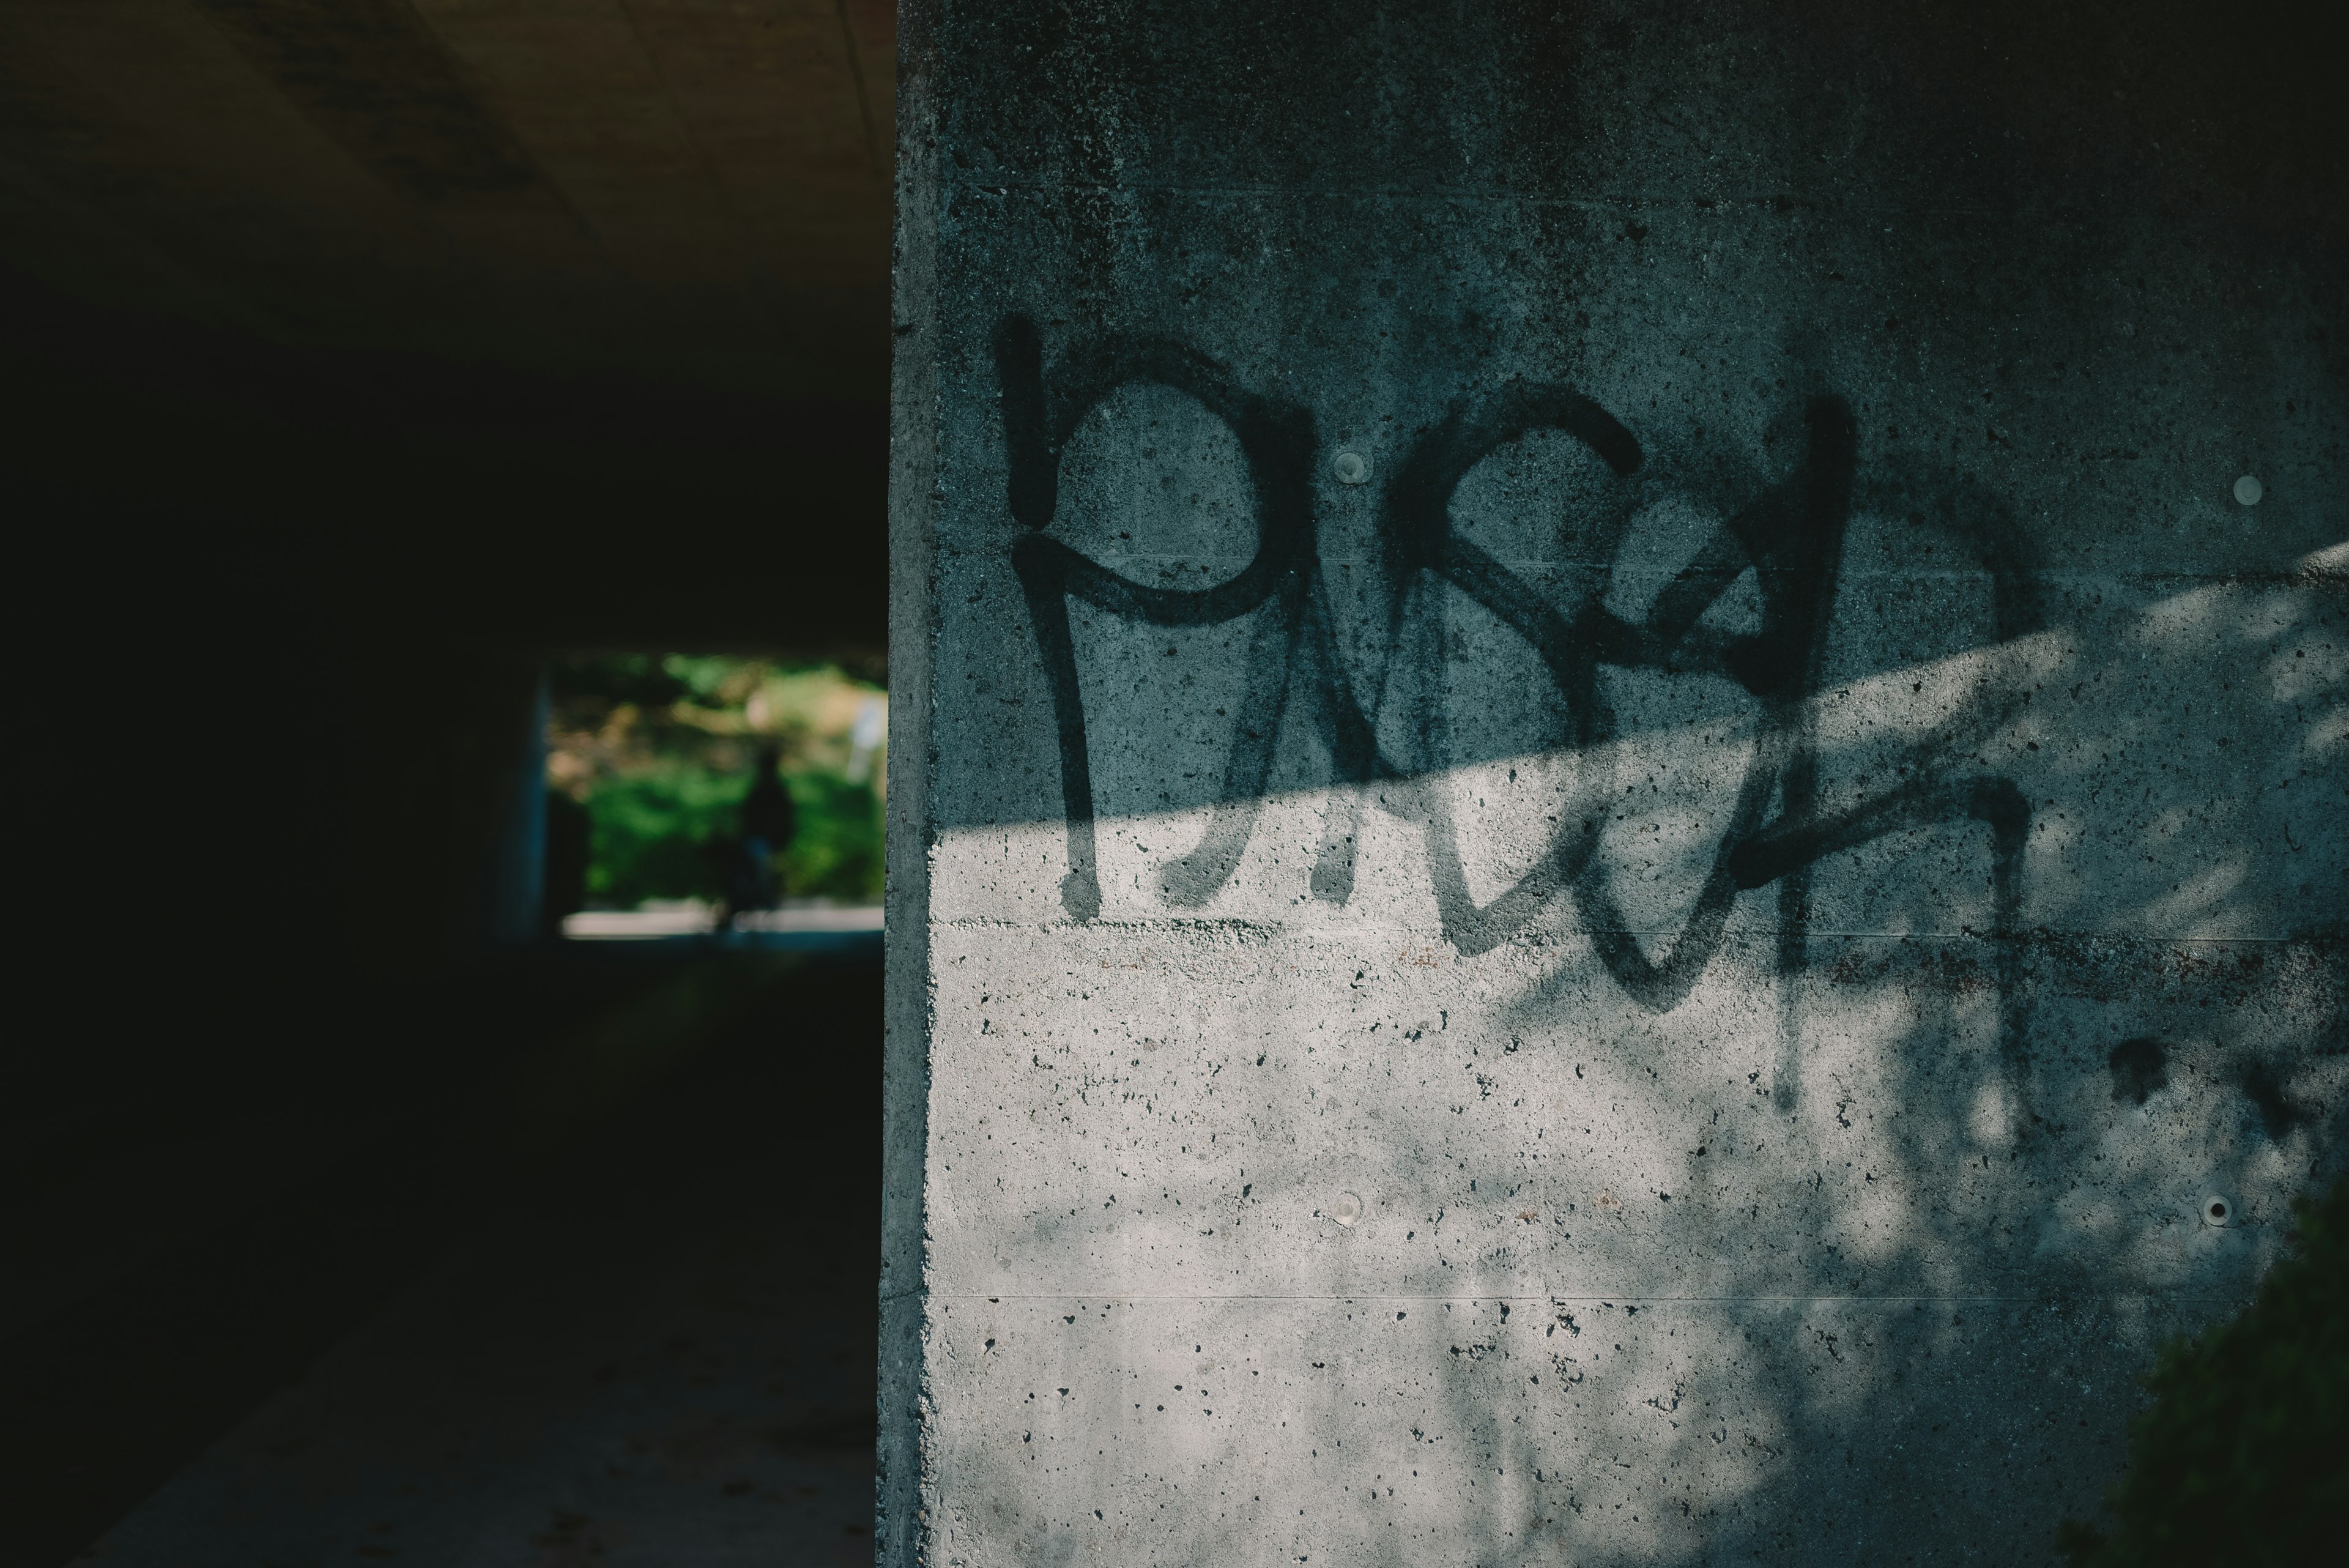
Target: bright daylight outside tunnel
811,781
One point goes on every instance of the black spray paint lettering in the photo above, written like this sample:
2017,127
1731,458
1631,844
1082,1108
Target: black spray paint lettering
1791,534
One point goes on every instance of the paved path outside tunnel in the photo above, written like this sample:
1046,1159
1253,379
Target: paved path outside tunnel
662,1352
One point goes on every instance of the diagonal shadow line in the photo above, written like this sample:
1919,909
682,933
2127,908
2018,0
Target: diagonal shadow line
1791,534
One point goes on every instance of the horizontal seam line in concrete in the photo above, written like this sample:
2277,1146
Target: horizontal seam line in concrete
1448,197
2257,575
1113,1297
1267,928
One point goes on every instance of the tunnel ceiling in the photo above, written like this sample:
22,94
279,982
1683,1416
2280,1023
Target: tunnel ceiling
679,189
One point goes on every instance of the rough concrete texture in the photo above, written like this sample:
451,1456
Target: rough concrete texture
1606,829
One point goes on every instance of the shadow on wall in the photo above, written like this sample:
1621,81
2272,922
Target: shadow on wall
1723,732
1681,632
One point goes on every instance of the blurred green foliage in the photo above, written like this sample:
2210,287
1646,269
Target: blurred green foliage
660,751
2243,1457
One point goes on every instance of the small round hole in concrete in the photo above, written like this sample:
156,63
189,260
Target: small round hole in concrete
2216,1211
1350,467
2248,490
1347,1209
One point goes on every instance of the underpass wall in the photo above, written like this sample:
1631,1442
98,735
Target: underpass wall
1628,843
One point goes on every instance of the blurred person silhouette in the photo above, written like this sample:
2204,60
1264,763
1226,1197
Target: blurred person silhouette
569,834
768,823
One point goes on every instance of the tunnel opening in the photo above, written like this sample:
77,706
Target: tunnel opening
316,1039
738,796
510,1162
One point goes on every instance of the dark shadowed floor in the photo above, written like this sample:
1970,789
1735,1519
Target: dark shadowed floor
659,1349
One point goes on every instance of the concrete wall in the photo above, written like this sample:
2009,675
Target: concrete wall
1608,824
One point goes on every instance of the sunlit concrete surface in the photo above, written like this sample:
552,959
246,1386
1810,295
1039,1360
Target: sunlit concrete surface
1614,839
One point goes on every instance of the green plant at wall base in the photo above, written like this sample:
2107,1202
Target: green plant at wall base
2243,1458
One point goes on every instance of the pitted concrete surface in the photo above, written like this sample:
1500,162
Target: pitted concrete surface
1616,828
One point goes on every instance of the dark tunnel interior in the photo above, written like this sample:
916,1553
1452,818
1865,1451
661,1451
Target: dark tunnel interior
301,1050
285,613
